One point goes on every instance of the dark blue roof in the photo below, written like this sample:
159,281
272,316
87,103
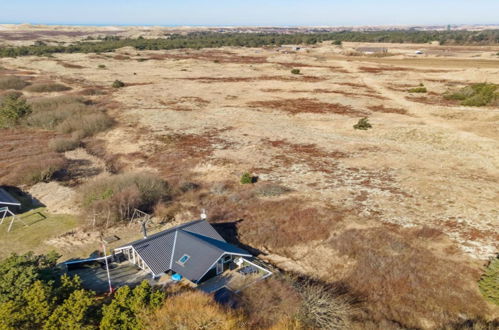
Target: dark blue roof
197,239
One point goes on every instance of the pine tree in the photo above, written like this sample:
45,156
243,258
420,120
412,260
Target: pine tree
73,313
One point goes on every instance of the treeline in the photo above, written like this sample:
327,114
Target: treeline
213,40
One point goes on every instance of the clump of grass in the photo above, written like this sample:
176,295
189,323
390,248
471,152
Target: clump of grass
489,283
114,199
86,124
118,84
68,114
363,124
64,144
420,89
295,71
39,170
12,82
476,95
47,88
271,190
246,178
101,66
12,109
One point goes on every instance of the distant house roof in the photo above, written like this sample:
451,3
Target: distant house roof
197,239
7,199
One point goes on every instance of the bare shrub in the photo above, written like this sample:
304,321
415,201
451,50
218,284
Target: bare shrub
322,309
114,199
39,169
63,144
88,124
12,82
391,267
47,88
270,303
193,310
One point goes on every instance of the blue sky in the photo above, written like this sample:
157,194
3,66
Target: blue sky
255,12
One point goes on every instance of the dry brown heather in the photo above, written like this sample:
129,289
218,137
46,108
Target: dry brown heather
402,216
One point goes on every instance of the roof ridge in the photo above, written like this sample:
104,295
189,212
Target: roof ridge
199,237
166,231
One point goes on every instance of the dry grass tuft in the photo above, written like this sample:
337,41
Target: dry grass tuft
47,88
12,82
382,108
26,156
306,105
193,310
186,103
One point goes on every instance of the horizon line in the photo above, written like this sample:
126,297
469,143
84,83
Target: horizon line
250,25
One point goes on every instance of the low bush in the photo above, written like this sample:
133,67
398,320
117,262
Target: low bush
40,169
246,178
10,93
114,199
489,283
12,109
271,302
476,95
118,84
47,88
62,144
295,71
101,66
68,114
12,82
363,124
418,90
86,125
322,308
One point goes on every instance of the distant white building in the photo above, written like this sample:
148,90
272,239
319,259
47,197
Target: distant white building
372,50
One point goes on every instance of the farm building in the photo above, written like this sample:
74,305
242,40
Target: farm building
372,50
194,250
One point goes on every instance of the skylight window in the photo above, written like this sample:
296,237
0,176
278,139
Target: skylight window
184,259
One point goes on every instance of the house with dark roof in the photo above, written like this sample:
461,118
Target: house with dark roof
194,250
7,200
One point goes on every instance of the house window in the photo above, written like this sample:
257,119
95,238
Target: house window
183,260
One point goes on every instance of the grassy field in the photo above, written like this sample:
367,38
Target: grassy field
41,226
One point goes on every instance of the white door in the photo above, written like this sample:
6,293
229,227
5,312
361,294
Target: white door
220,267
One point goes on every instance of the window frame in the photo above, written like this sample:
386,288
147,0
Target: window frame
180,262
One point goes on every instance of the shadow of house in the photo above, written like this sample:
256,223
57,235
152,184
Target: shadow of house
229,232
17,200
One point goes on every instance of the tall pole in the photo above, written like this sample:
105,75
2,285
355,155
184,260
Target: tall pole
107,269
